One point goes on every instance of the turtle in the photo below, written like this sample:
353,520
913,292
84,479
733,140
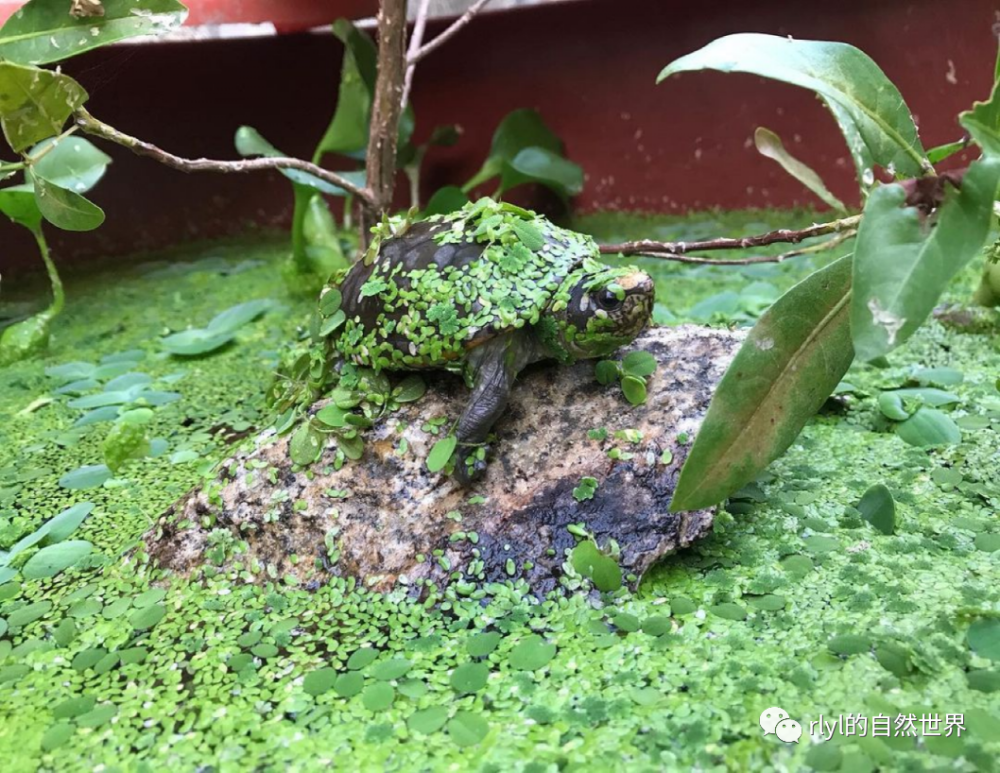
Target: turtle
485,291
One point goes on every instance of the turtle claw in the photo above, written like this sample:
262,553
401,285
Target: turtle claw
469,467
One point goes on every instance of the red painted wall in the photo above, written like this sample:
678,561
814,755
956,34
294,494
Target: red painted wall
588,66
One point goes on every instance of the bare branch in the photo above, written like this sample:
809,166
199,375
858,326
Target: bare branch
96,128
781,236
829,244
416,39
445,36
387,103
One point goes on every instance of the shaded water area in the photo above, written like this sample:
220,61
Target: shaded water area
793,601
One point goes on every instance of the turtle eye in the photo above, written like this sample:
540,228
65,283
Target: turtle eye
607,300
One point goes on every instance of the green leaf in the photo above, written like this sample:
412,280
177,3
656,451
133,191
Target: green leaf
634,390
350,684
319,681
879,508
769,145
72,163
394,668
65,209
902,265
891,406
18,203
445,200
929,427
639,364
542,166
467,728
790,363
601,569
305,446
43,31
410,389
524,149
469,677
362,658
237,316
982,122
984,638
219,331
348,129
66,522
35,104
870,110
147,617
728,611
606,372
378,696
483,644
51,560
522,129
441,453
427,721
532,653
939,153
88,476
249,142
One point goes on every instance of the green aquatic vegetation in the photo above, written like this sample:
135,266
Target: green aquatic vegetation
113,662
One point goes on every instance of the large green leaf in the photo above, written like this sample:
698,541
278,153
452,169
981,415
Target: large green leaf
35,104
44,31
870,110
250,142
790,363
983,122
770,145
74,163
65,209
902,264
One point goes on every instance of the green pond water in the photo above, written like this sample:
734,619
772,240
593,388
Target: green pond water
794,601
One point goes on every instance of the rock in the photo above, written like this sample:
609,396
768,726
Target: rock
386,518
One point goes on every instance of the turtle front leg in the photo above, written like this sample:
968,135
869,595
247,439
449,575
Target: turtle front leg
494,366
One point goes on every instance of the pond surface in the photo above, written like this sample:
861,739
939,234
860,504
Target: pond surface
795,601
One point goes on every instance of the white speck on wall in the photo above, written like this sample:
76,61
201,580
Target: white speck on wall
950,75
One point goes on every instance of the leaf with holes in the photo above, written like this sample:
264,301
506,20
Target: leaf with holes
35,104
902,264
42,31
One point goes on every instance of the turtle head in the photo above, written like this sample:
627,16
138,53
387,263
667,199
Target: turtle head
598,309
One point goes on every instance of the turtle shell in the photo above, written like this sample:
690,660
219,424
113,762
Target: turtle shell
447,284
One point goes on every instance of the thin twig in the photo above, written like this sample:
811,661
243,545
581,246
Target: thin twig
387,109
445,36
781,236
96,128
829,244
416,40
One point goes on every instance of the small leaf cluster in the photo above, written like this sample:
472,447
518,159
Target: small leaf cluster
632,371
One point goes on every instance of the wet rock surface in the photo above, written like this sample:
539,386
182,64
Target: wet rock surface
386,519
